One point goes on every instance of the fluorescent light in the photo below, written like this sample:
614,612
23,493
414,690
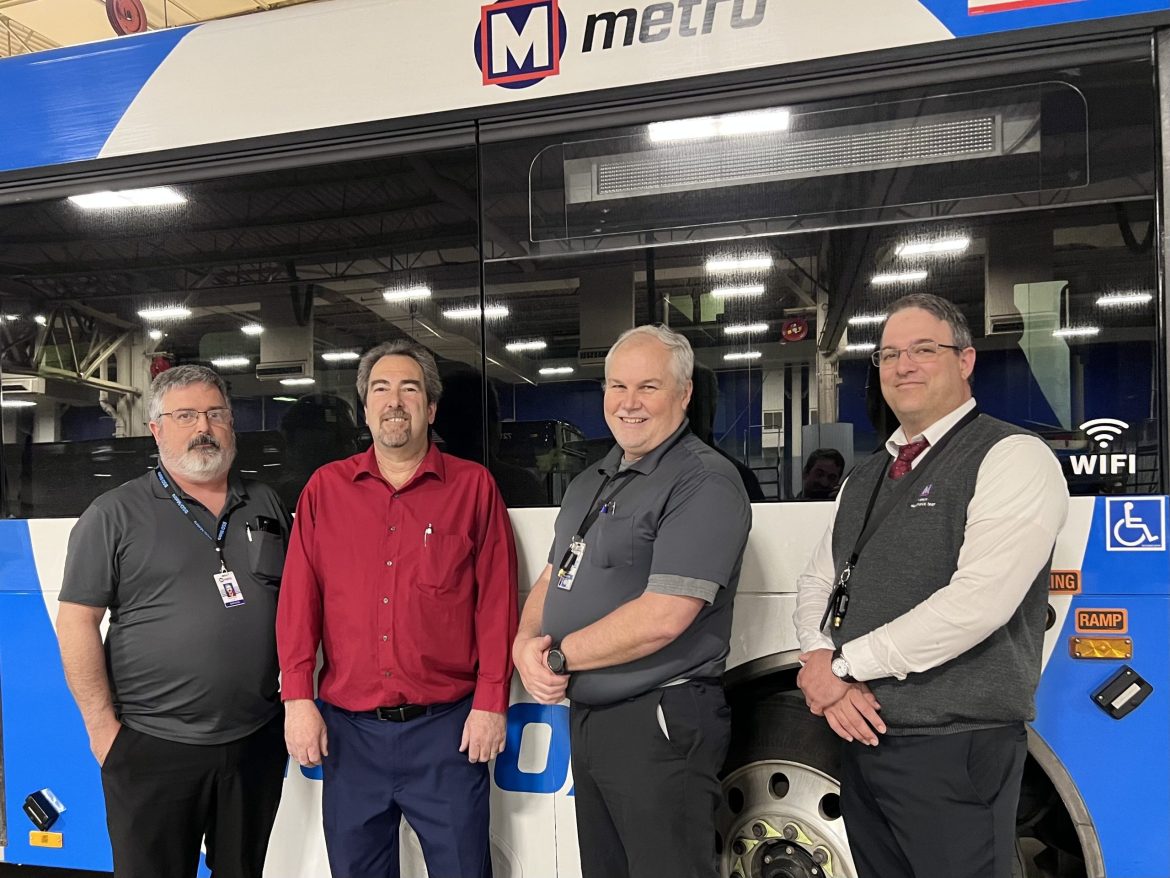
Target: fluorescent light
152,197
557,370
11,317
103,475
538,344
230,362
861,346
252,329
865,319
743,355
16,403
340,356
473,312
745,290
1114,299
407,294
155,335
730,125
898,277
933,248
747,263
282,399
1076,331
745,328
297,382
168,312
41,320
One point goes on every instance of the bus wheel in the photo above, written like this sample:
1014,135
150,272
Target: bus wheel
780,815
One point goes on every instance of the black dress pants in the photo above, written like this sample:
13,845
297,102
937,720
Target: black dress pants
163,798
646,798
925,806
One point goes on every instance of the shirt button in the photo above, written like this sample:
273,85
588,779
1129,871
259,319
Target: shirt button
385,600
387,674
389,563
385,637
393,528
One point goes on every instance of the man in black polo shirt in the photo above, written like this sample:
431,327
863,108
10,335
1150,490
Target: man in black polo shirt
181,704
634,621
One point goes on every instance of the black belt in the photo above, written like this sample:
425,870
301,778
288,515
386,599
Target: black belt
400,714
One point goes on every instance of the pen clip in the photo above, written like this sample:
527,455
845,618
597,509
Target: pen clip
426,533
248,528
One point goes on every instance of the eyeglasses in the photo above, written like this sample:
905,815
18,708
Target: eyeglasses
922,352
219,416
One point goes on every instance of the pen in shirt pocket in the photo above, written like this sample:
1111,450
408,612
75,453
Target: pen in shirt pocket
426,534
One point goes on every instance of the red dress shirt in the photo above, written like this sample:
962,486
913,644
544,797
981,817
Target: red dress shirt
410,592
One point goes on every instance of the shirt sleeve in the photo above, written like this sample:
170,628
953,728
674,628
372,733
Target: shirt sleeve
91,560
703,530
814,587
299,610
683,586
496,612
1020,503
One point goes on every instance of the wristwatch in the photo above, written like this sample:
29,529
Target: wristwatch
556,661
840,666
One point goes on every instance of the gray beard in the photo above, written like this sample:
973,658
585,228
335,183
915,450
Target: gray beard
200,466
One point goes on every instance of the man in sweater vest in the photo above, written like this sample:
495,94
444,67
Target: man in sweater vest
921,614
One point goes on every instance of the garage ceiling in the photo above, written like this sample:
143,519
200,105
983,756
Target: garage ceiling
36,25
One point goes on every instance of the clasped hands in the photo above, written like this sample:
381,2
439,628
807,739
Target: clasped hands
850,708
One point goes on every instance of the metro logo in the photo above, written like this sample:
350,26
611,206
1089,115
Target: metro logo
519,42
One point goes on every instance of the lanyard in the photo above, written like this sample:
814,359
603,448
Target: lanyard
218,539
839,599
595,510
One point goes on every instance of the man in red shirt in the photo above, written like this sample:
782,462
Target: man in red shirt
402,568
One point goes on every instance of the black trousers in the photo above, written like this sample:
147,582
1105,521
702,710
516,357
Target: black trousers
924,806
646,799
163,798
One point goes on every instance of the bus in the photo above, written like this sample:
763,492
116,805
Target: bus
513,184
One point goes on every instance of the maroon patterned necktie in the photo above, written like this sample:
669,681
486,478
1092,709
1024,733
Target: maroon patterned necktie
906,454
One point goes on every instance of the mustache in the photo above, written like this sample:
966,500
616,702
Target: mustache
203,440
395,412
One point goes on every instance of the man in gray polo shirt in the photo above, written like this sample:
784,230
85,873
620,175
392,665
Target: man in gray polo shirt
181,704
632,617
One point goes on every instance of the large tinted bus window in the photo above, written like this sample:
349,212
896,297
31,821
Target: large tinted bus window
775,239
278,281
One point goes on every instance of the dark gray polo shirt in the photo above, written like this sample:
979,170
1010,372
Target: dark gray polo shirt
183,666
680,527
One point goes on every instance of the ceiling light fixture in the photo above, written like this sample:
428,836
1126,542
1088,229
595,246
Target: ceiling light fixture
537,344
1112,300
340,356
407,294
898,277
866,319
745,328
745,290
1076,332
230,362
861,346
155,335
557,370
747,263
743,355
297,382
16,403
284,399
41,320
473,312
934,248
167,312
252,329
154,196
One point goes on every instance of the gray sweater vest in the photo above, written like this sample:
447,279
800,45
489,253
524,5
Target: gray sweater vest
912,554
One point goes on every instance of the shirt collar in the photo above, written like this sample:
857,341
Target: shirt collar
432,463
932,433
646,463
236,489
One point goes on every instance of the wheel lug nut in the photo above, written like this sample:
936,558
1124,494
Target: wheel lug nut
790,851
791,831
767,859
820,856
759,830
739,848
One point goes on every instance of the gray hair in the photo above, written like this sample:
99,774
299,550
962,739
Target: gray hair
681,355
402,347
938,307
183,376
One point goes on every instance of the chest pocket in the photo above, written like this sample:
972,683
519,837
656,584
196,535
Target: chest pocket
613,541
266,555
445,559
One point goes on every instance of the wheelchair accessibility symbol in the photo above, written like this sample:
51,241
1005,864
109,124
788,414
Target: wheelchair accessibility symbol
1135,524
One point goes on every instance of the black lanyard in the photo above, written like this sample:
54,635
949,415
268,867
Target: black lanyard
595,510
839,600
217,540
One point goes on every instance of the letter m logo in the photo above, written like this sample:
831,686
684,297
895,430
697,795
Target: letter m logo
520,41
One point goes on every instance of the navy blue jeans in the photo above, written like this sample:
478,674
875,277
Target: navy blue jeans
377,771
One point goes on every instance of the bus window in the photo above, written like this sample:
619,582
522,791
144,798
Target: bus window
278,280
1029,204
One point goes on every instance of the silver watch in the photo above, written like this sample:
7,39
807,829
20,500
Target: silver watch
840,666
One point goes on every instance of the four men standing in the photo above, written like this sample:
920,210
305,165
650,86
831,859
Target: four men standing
401,573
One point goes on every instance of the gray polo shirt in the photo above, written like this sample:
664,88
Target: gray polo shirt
183,666
679,527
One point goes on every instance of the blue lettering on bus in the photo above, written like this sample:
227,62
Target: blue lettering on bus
551,778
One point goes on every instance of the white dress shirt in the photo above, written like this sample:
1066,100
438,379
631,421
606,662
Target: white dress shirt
1019,505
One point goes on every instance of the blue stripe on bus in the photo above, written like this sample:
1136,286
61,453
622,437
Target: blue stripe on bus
61,105
1121,767
956,17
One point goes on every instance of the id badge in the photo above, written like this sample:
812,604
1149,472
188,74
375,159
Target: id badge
572,560
229,589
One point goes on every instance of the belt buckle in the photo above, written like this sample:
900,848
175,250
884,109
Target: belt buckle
391,714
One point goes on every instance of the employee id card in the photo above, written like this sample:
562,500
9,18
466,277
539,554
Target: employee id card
569,564
229,589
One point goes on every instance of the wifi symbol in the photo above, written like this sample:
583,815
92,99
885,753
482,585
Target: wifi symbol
1104,430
